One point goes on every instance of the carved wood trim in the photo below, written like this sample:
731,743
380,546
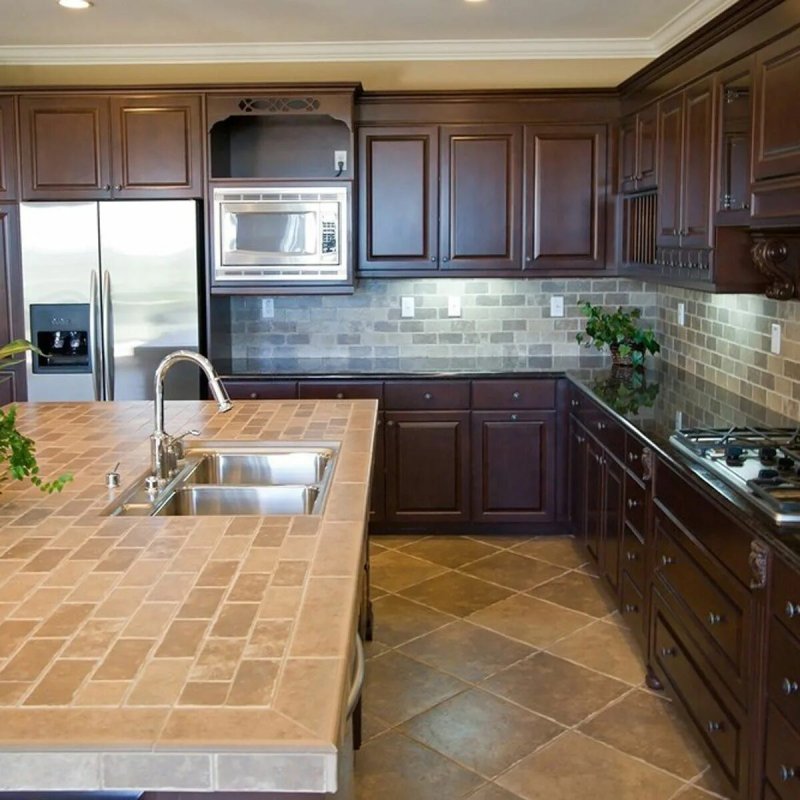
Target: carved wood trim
769,251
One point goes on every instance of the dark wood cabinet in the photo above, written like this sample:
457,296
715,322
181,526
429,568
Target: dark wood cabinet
577,478
427,466
8,150
480,226
86,147
566,197
261,390
398,198
637,151
12,386
670,163
612,518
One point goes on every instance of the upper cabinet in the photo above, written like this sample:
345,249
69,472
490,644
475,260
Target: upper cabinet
76,147
8,150
566,197
442,198
776,130
637,151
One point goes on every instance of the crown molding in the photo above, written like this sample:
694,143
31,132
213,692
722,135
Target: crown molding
687,22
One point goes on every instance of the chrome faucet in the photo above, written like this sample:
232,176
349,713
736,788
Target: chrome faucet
162,445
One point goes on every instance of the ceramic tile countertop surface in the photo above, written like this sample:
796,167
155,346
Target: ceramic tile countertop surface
185,653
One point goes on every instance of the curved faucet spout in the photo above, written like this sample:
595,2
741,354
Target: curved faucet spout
160,440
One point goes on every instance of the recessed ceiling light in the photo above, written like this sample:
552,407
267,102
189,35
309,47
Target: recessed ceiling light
474,1
78,3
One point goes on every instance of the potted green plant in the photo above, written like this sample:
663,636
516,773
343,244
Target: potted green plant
619,330
17,451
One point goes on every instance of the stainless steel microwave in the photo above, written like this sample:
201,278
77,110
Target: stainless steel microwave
286,234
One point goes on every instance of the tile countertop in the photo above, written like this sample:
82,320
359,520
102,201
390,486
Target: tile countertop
186,653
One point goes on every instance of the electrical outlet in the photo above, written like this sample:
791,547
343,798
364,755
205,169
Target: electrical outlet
454,306
775,338
681,313
406,306
267,308
557,306
340,160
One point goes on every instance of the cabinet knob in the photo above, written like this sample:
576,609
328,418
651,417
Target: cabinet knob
632,503
631,556
792,610
601,426
118,187
107,187
790,687
581,439
668,652
515,395
574,403
712,726
427,396
513,417
632,457
254,395
674,231
446,258
667,560
529,259
340,395
390,423
713,618
433,259
787,773
630,608
378,423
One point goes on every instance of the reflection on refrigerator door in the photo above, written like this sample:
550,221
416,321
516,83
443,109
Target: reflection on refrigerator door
132,269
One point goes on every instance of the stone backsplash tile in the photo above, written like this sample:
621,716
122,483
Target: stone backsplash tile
500,319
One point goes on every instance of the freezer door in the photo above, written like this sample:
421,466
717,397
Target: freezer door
59,243
148,253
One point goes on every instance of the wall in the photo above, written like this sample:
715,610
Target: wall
504,323
726,341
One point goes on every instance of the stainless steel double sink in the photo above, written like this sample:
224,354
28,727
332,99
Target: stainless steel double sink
232,478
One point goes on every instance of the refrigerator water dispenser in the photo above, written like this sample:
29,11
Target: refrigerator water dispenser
61,331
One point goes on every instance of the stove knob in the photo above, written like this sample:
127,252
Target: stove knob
767,454
733,454
785,463
767,474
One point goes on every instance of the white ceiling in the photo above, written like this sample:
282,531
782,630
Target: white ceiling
37,33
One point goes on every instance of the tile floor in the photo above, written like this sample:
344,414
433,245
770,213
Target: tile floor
500,671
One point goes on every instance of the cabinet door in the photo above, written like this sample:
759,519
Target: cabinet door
697,157
646,140
734,115
377,510
513,466
578,465
481,198
776,150
670,124
64,147
427,466
566,197
8,150
612,519
398,198
594,499
627,155
156,146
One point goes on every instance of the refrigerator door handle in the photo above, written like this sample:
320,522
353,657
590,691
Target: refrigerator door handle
108,336
94,335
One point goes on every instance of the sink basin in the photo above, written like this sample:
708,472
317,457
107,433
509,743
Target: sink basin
229,501
260,469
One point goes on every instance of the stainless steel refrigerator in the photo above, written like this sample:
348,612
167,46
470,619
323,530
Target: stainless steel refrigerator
109,289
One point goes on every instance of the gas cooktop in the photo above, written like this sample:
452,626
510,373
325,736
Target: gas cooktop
763,464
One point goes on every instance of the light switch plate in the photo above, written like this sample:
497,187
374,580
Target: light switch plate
454,306
775,338
407,307
557,306
681,313
267,308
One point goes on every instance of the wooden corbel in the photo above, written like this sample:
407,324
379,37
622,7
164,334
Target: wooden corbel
770,250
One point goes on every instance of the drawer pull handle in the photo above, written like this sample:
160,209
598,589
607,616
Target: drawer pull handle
340,395
630,608
669,652
713,726
516,395
714,619
601,426
787,773
254,395
790,687
631,556
632,457
667,560
427,396
632,503
792,610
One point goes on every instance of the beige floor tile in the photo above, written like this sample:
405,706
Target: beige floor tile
393,570
391,542
500,540
371,726
607,648
456,594
398,688
560,550
374,648
649,727
458,728
491,791
513,570
712,781
530,620
556,688
449,551
467,651
574,767
393,767
693,793
579,592
396,620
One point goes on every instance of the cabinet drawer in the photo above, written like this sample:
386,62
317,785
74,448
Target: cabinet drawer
783,673
515,394
633,555
718,725
261,390
783,755
715,602
341,390
635,505
604,428
632,605
424,395
786,596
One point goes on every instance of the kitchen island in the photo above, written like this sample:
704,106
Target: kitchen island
195,653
